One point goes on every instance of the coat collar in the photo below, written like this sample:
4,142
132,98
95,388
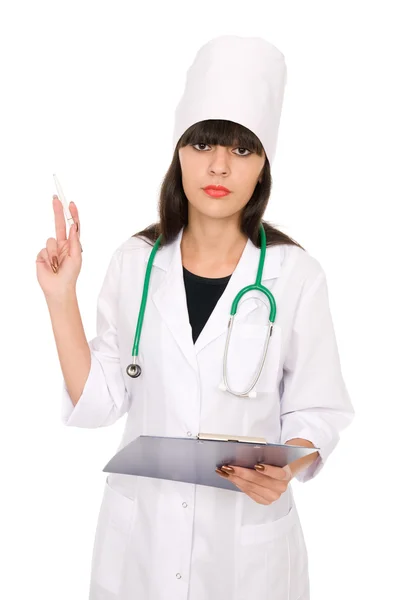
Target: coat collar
170,296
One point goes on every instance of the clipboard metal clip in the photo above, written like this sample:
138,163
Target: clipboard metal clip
231,438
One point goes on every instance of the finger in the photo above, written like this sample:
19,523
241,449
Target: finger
43,257
260,494
264,495
75,215
52,251
257,477
252,476
257,498
74,243
59,218
279,473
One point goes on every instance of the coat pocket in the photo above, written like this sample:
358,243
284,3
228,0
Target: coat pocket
246,353
117,514
272,560
267,532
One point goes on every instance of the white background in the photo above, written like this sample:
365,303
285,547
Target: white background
88,91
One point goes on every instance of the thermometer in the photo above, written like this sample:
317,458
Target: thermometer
63,201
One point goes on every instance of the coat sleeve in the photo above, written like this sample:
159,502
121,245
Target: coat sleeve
104,398
315,404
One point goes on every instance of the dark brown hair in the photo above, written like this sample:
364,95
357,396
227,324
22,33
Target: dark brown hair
173,203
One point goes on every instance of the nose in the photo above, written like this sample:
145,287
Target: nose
219,161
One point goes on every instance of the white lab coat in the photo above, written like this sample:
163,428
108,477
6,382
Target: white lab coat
162,540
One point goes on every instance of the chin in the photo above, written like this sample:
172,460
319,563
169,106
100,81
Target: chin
215,211
216,208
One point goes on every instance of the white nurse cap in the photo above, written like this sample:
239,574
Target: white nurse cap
240,79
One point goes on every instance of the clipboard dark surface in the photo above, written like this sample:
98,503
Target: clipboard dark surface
192,460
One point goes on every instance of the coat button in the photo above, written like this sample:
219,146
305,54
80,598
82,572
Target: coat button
184,504
178,575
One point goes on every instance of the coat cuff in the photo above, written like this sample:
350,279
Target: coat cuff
91,409
326,445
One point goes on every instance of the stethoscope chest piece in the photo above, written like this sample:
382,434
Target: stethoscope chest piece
133,370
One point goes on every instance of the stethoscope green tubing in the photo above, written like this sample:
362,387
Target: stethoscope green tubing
144,297
256,286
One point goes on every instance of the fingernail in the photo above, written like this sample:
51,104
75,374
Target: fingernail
55,262
221,473
259,467
53,267
227,469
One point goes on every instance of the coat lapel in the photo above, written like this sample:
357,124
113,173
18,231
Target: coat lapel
170,297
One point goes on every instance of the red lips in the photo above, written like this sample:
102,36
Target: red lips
216,191
218,188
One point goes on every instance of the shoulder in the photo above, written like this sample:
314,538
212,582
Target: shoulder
131,251
308,264
132,245
301,267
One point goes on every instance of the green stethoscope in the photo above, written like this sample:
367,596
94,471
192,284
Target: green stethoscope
134,370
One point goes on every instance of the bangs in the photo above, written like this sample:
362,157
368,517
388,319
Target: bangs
222,133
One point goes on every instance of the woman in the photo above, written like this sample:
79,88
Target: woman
158,539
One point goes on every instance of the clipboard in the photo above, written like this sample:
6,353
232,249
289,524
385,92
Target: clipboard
194,460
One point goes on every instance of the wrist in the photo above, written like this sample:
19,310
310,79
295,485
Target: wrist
62,297
301,463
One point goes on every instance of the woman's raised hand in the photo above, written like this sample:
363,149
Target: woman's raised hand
65,254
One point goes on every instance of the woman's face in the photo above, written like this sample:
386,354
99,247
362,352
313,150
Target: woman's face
235,168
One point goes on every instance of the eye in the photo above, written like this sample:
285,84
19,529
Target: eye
200,144
204,144
246,149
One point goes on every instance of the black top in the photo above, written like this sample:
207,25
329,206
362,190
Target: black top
203,294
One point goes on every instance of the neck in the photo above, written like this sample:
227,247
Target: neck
212,249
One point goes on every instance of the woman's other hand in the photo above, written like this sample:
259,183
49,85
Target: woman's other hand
264,484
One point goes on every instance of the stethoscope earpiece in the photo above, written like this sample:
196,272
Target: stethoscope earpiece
133,370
